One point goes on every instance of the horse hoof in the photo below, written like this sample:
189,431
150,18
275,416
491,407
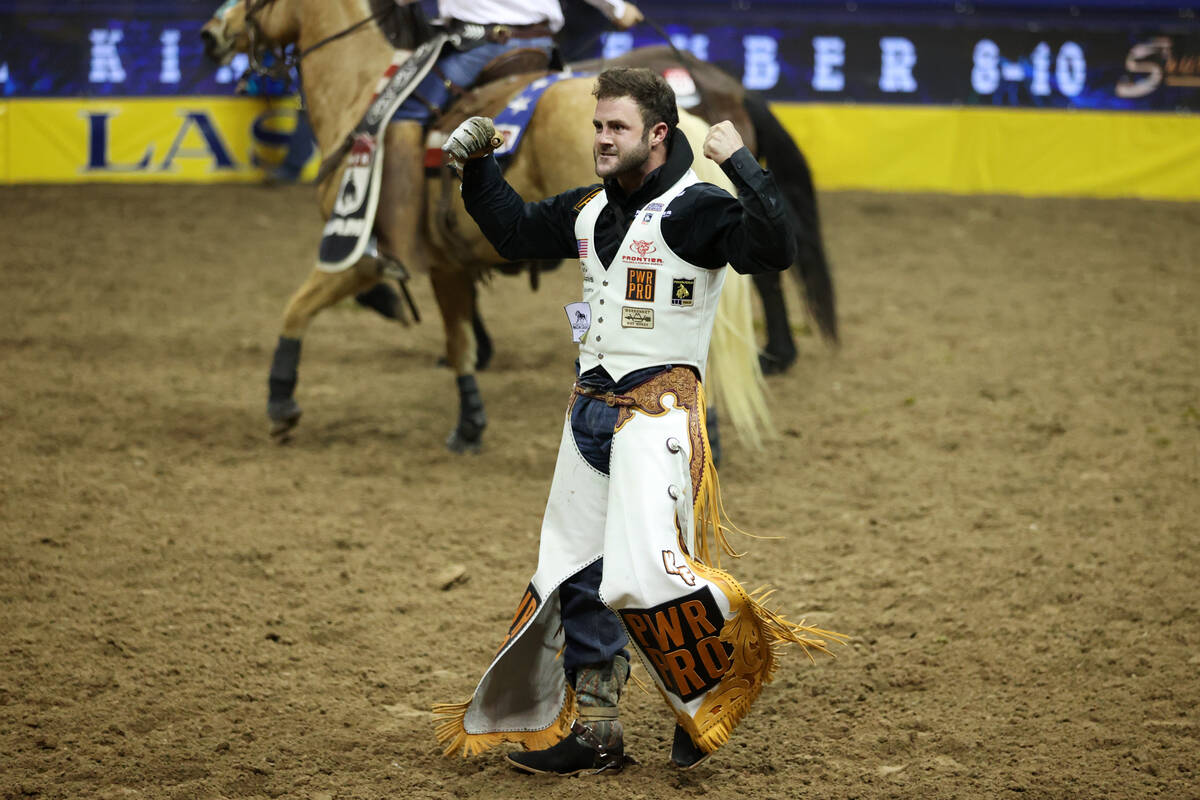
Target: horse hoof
457,443
775,365
284,416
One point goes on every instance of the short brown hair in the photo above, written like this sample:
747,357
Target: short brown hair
653,95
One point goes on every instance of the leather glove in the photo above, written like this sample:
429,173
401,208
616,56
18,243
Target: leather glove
474,138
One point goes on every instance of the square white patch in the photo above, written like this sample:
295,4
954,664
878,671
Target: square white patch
635,317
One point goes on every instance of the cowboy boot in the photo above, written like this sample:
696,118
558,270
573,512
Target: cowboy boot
595,743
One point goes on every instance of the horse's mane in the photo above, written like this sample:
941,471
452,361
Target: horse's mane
406,27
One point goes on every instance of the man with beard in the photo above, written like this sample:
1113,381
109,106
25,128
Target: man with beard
634,484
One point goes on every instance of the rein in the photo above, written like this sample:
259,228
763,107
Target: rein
283,63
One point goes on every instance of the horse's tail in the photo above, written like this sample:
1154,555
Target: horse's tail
777,148
735,379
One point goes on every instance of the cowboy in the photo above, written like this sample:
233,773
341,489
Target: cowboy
634,484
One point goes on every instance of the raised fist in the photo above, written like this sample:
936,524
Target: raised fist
474,138
722,141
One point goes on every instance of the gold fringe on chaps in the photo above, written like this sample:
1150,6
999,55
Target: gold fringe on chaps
451,732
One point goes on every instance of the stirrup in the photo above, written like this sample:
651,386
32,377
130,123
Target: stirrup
391,267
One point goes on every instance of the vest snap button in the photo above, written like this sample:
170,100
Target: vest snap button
598,338
605,283
600,320
600,356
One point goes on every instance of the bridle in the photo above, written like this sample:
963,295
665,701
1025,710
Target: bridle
283,63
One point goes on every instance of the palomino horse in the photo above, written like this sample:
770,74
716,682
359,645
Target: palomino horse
344,54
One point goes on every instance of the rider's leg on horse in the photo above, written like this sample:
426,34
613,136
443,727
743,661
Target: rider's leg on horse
406,134
402,190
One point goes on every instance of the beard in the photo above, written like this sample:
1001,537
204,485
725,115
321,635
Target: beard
629,161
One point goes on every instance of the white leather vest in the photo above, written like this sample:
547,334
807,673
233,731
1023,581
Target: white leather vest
649,307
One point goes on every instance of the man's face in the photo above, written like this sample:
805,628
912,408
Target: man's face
622,143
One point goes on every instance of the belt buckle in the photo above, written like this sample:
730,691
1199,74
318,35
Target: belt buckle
501,34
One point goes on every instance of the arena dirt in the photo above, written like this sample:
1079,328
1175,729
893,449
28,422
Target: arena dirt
993,486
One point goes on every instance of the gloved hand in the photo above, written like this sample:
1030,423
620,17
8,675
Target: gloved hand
474,138
631,16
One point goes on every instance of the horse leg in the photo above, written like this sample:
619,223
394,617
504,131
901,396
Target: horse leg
318,292
455,292
780,350
483,340
792,173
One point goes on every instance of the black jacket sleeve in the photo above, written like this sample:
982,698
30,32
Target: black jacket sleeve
752,233
517,229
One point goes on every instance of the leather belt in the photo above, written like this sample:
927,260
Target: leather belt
500,34
609,398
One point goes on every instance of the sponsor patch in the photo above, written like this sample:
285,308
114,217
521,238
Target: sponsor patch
648,212
635,317
579,315
641,252
640,285
682,641
683,291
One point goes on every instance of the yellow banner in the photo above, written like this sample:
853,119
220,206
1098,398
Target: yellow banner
875,148
195,140
999,151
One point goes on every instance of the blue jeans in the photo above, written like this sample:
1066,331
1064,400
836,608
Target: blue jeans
461,68
592,633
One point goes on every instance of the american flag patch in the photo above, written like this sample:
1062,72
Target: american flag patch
583,247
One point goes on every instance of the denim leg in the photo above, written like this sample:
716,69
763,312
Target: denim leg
593,634
592,423
461,68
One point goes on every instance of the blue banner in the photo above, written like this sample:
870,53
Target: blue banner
804,52
1142,70
59,55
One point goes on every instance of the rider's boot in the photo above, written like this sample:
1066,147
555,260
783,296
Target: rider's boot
595,743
